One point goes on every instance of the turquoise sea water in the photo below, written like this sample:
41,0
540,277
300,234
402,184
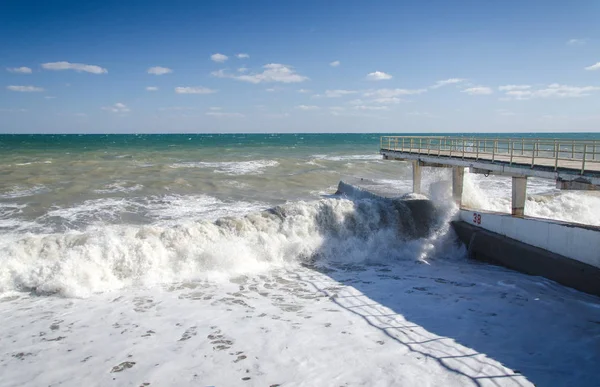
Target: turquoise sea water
56,183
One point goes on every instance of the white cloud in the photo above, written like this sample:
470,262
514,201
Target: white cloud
446,82
389,93
223,114
378,76
335,93
514,87
243,56
79,67
242,70
304,91
576,42
151,88
194,90
387,100
274,72
271,90
335,63
158,70
365,107
594,67
478,90
337,108
219,58
25,89
117,108
49,97
21,70
307,107
215,108
554,90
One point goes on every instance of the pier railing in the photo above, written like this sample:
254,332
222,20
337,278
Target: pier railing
556,153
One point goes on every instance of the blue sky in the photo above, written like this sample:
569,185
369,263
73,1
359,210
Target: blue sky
299,66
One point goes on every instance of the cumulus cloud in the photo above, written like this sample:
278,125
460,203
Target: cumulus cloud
117,108
594,67
20,70
151,88
514,87
335,63
194,90
25,89
554,90
478,90
303,91
219,58
378,76
307,107
158,70
242,56
79,67
242,70
446,82
273,72
576,42
389,93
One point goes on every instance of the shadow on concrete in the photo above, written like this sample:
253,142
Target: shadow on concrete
490,325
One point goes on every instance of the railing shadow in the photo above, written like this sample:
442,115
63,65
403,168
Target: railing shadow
471,319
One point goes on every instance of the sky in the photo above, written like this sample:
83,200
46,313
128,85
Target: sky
299,66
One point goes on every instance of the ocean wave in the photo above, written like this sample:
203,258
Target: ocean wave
231,167
112,257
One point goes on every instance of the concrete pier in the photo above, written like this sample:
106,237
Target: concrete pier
416,169
519,195
458,176
564,252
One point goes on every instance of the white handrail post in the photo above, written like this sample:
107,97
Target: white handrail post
583,162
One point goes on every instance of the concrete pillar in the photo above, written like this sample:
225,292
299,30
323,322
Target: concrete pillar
458,174
519,195
416,177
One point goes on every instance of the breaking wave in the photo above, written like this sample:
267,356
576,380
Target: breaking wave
339,229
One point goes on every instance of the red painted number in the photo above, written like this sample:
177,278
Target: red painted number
476,218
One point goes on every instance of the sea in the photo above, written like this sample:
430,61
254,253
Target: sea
233,260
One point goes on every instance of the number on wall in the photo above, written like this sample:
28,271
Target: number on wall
476,218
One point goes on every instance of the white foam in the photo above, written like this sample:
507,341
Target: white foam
119,187
494,194
366,157
231,167
20,192
111,257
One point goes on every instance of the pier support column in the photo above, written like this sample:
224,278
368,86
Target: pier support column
458,174
416,177
519,195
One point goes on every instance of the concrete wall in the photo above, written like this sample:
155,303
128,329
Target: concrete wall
568,240
498,249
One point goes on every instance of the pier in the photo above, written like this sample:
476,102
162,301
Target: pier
568,253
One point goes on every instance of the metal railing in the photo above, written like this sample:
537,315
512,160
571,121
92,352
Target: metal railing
582,155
